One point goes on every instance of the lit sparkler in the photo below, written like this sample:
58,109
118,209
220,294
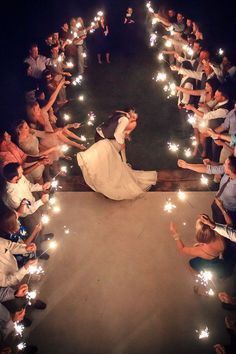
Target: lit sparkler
21,346
203,333
54,183
34,269
169,206
204,180
69,64
31,295
83,138
64,148
153,39
66,116
168,43
81,98
173,147
220,51
191,119
188,152
56,209
19,328
63,169
181,195
149,7
45,219
160,77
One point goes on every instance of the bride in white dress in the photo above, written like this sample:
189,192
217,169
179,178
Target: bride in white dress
104,164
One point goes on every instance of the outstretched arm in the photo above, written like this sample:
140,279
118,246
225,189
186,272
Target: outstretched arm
201,168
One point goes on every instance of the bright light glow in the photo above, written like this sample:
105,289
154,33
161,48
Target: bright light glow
169,206
78,25
34,269
21,346
53,245
45,219
19,328
168,43
211,292
204,277
83,138
153,39
100,13
52,201
203,124
188,152
191,119
66,116
160,77
203,333
154,20
160,56
181,195
69,64
54,183
81,98
204,180
84,55
56,209
64,148
220,51
63,169
173,147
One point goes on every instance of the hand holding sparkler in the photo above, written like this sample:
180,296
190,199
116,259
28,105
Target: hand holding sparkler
182,164
45,198
31,263
46,186
173,230
31,248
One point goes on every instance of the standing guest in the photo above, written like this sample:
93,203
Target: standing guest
64,33
37,62
55,39
81,34
102,40
226,71
197,32
227,188
129,17
17,195
189,27
47,45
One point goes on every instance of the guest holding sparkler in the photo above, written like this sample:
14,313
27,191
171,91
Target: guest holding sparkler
227,189
37,62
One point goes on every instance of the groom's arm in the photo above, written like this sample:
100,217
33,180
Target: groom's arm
120,130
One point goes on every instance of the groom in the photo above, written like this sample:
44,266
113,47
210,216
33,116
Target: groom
118,127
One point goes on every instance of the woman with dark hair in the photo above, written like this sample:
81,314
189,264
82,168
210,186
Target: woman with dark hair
102,40
104,165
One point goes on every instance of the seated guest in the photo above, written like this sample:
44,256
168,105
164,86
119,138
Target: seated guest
226,71
10,152
189,27
64,34
10,312
227,189
197,32
188,84
37,62
17,195
208,251
10,274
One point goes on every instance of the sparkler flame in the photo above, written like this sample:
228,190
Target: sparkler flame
169,206
45,219
181,195
173,147
203,333
204,180
19,328
187,152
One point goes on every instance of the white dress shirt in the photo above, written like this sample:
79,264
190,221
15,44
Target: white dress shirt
38,65
226,231
10,274
15,192
217,111
119,134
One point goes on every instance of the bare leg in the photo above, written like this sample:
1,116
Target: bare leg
69,142
108,58
72,135
99,58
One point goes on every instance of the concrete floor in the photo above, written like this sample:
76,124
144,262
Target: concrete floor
116,284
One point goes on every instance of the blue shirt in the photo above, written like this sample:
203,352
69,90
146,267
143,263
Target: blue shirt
228,196
230,122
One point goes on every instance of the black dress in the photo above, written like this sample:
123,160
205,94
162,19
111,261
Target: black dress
102,40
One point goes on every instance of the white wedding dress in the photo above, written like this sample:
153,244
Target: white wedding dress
106,173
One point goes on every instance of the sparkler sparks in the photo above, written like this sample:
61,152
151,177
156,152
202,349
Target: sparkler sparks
54,183
63,169
149,7
56,209
100,13
19,328
21,346
173,147
204,277
34,269
181,195
81,98
31,295
69,64
220,51
168,43
53,245
188,152
66,117
83,138
191,119
160,77
194,141
160,56
45,219
203,333
153,39
169,206
52,201
204,180
64,148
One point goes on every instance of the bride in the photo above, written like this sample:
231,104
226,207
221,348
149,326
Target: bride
104,164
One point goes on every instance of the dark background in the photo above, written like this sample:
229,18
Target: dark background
127,80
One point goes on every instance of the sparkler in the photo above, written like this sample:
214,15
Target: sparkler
31,295
194,141
168,43
52,201
203,124
52,246
181,195
203,333
78,25
220,51
81,98
149,7
155,20
34,269
45,219
204,277
169,206
153,39
69,64
54,183
160,77
21,346
63,169
191,119
173,147
188,152
56,209
67,231
204,180
66,116
64,148
19,328
100,13
84,55
83,138
77,80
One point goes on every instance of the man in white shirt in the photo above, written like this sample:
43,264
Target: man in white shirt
18,195
37,62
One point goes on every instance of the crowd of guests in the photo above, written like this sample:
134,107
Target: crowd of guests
206,96
30,153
